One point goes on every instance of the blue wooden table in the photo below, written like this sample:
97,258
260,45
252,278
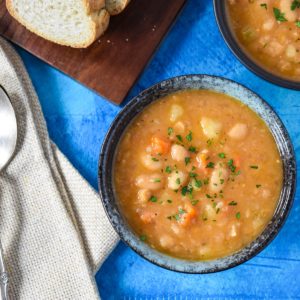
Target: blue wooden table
78,119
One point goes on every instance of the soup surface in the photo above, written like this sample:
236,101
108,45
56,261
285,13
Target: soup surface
270,31
198,175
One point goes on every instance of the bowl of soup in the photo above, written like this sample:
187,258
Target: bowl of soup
265,37
197,174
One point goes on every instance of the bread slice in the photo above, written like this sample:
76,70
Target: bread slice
75,23
114,7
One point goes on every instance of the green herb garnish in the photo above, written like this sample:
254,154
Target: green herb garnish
192,149
179,137
170,131
153,199
238,215
178,180
187,160
154,159
169,201
210,165
232,203
254,167
231,165
295,4
222,155
258,186
264,5
189,137
209,142
143,237
168,169
279,16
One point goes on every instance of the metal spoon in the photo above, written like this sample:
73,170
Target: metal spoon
8,142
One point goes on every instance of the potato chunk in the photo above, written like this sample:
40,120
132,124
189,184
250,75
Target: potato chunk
238,131
218,179
210,127
176,112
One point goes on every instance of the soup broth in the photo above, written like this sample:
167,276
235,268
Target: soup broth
198,175
269,30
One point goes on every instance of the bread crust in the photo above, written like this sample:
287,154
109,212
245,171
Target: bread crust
115,7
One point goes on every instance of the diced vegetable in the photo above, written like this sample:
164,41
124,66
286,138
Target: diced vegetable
211,128
160,145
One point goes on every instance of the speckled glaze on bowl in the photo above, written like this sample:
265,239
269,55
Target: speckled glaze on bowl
224,26
133,108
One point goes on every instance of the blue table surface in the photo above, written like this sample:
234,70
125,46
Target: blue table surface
78,119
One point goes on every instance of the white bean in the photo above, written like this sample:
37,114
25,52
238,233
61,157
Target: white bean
176,112
150,182
151,162
175,180
210,127
238,131
218,179
179,153
143,196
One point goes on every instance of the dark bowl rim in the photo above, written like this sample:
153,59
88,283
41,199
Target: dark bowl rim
246,60
277,227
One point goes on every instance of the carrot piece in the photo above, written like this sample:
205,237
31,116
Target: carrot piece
160,145
202,162
189,215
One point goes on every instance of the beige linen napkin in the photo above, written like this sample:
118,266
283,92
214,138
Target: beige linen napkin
54,230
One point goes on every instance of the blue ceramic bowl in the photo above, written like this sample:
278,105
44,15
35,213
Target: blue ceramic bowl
137,105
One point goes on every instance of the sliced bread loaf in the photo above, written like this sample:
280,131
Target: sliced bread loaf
114,7
75,23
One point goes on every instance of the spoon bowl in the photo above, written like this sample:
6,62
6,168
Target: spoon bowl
8,129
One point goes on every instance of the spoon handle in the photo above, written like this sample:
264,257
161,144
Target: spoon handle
3,277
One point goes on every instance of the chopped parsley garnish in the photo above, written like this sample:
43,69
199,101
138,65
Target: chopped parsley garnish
194,202
153,199
143,238
168,169
209,142
156,180
210,165
238,215
218,210
177,216
154,159
192,149
189,137
208,196
222,155
187,160
264,5
178,180
193,174
297,23
179,137
222,180
198,183
295,4
232,203
206,181
279,16
169,201
187,190
254,167
170,131
258,186
231,165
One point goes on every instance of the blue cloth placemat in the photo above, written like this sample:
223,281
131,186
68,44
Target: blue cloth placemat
78,119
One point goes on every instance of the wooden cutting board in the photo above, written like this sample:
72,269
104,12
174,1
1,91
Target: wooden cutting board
113,63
